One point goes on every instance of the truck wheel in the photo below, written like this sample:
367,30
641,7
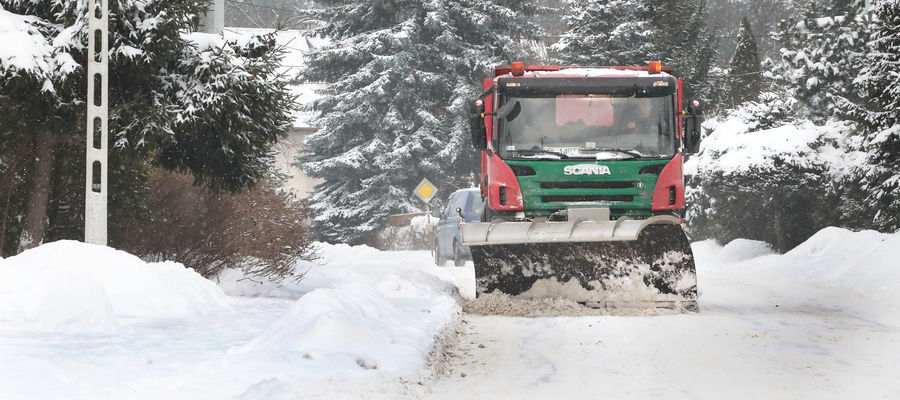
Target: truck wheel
458,259
438,260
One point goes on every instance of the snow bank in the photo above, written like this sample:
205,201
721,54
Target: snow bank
356,326
710,253
358,309
342,263
69,286
863,265
866,262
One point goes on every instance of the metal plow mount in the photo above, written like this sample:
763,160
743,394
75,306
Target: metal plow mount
629,264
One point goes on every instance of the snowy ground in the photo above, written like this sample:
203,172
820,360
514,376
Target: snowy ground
822,321
85,322
819,322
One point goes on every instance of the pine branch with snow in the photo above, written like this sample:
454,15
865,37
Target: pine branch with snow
822,51
879,115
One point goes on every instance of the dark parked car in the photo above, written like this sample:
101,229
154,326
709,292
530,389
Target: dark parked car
447,240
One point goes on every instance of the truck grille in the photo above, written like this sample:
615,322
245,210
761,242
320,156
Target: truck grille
588,185
589,197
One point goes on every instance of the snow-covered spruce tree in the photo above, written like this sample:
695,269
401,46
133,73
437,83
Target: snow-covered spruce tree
189,102
821,52
401,77
632,32
763,15
879,115
684,41
605,32
745,73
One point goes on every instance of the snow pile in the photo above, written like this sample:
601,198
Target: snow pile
849,265
708,252
69,286
866,262
397,275
356,326
357,309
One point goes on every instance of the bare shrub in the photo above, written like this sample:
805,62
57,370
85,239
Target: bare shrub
262,231
416,235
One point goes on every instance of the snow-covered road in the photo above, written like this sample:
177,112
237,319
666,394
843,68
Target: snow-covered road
800,325
747,342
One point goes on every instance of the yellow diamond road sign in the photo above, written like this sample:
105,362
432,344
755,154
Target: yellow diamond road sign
425,190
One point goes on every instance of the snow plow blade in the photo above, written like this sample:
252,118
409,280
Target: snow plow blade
628,264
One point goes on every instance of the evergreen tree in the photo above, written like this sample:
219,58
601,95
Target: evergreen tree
401,77
605,32
683,41
745,71
821,53
185,101
763,16
879,115
632,32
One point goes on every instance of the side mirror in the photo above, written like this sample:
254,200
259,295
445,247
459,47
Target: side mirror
479,131
692,128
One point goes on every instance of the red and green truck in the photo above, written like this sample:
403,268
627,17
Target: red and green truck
581,173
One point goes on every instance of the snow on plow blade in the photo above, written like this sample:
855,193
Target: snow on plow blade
631,264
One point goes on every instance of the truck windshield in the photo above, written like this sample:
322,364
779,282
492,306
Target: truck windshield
586,126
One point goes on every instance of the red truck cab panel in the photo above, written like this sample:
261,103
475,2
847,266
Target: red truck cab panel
503,187
670,179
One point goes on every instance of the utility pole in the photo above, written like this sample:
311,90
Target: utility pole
95,198
214,19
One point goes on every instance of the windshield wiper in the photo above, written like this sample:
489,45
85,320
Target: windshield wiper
535,151
632,153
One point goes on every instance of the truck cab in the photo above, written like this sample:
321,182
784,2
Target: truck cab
554,138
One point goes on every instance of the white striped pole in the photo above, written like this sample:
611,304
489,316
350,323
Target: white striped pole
95,198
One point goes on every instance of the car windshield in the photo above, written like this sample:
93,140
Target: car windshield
476,205
586,126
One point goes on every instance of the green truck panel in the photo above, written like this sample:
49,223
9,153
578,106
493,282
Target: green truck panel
625,190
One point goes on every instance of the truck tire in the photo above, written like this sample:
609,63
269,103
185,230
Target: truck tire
438,260
458,259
